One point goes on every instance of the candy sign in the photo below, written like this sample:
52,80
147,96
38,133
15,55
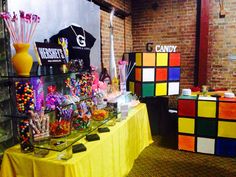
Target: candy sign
50,53
160,48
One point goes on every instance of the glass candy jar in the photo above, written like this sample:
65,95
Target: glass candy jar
25,136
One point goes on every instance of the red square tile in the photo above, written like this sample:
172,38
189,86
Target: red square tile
161,74
186,108
174,59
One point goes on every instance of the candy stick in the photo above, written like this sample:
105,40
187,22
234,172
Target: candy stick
34,26
22,14
34,127
33,19
13,31
47,123
6,16
130,71
28,21
14,20
9,29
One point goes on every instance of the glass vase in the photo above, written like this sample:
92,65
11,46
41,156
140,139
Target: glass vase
22,61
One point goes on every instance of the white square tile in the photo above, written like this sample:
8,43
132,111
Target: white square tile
173,88
207,98
206,145
148,74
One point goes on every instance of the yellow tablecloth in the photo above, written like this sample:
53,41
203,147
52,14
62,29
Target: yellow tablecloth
112,156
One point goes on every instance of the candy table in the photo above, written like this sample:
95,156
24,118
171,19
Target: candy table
112,155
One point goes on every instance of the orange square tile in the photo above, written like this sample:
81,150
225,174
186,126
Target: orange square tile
161,74
227,110
138,74
148,59
186,143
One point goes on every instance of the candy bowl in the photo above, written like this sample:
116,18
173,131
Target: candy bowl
60,128
80,123
99,115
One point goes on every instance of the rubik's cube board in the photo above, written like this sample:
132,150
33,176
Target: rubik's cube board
154,74
207,125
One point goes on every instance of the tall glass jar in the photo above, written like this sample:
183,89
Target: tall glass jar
25,136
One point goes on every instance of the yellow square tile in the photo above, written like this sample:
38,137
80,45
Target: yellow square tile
131,87
186,125
149,59
207,109
138,59
161,89
162,59
227,129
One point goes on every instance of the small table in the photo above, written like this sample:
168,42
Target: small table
112,155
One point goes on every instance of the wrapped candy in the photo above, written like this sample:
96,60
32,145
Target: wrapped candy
38,93
81,117
53,98
85,83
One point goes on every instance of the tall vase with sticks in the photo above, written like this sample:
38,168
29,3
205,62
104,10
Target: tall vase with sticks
113,72
21,32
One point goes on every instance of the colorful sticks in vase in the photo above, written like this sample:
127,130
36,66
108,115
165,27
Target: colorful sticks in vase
21,31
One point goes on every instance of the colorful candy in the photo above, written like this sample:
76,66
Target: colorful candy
85,83
60,128
53,98
24,96
25,141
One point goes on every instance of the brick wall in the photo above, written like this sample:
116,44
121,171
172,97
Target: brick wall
122,32
173,22
222,42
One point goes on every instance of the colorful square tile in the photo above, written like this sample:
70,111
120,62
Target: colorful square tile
227,129
138,59
162,59
226,147
131,87
207,98
148,89
186,125
227,110
174,59
186,143
207,109
161,74
173,88
174,74
206,145
148,74
161,89
149,59
206,127
138,74
186,107
138,89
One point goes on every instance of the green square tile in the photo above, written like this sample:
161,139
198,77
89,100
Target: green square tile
206,127
148,89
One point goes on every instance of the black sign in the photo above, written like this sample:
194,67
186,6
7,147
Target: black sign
50,53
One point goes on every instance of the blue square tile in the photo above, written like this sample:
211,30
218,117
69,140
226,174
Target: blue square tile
174,74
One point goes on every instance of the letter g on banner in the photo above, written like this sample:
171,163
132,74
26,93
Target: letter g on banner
149,47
